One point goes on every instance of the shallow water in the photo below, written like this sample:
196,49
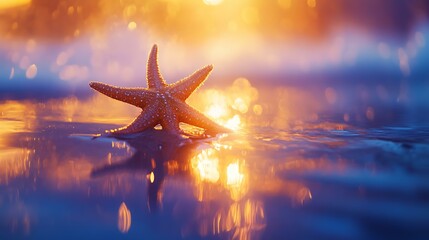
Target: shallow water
274,178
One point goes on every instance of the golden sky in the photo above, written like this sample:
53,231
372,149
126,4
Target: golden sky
201,20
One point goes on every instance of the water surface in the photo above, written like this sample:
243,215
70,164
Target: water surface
286,172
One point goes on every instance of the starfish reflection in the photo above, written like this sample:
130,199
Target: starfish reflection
156,153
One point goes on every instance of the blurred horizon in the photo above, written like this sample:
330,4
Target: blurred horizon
68,43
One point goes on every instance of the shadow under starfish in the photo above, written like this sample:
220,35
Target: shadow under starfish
154,149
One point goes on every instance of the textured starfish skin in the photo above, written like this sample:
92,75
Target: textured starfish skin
161,103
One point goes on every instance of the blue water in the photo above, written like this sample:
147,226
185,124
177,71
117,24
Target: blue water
317,181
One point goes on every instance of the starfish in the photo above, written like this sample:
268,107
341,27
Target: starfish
161,103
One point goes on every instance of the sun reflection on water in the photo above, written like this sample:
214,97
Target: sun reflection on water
234,176
236,180
240,217
124,218
244,220
206,165
14,162
214,168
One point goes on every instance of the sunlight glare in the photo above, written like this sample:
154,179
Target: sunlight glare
233,123
234,176
240,105
216,111
206,165
230,107
236,181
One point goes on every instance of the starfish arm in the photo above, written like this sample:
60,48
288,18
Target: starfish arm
183,88
169,119
153,75
139,97
147,119
189,115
